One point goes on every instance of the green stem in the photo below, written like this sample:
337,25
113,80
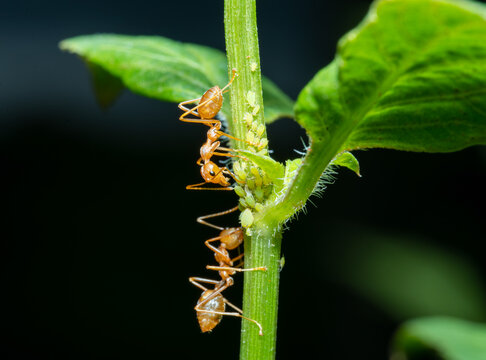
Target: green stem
260,294
262,248
243,55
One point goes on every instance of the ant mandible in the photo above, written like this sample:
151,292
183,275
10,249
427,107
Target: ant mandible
209,106
211,305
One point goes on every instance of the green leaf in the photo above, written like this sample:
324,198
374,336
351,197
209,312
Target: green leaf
165,69
411,77
107,87
452,339
404,275
274,170
276,104
346,159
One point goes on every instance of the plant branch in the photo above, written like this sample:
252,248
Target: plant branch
262,247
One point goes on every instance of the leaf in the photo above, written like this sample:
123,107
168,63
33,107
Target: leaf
452,339
347,160
276,104
411,77
106,86
165,69
274,170
404,275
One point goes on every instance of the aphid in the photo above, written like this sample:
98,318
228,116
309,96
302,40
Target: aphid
209,106
211,306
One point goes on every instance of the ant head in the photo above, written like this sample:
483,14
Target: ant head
231,238
214,174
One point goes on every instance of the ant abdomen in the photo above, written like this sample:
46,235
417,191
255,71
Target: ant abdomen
209,320
214,103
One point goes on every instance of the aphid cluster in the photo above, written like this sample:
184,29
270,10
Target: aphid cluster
211,306
254,185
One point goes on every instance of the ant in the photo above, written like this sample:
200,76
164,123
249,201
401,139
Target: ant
209,106
211,305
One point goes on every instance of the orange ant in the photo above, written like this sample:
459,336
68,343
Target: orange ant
209,106
211,305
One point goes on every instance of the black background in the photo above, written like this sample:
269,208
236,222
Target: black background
99,235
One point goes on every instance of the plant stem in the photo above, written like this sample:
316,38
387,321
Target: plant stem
262,248
243,55
260,293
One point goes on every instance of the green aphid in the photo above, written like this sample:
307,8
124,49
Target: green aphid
259,194
260,130
251,98
266,179
250,200
258,178
248,119
250,137
243,203
256,109
254,171
246,218
240,191
254,126
236,166
263,143
240,174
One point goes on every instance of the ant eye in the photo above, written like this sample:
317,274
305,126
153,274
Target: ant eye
212,173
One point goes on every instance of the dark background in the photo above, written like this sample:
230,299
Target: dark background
99,235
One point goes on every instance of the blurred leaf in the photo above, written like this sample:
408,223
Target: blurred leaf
411,77
107,87
347,160
452,339
408,278
276,104
167,70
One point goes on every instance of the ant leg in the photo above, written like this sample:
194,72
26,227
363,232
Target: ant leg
221,133
197,187
228,172
239,257
191,111
236,314
233,314
229,282
244,317
224,154
183,108
202,219
197,280
211,247
235,74
222,268
228,154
